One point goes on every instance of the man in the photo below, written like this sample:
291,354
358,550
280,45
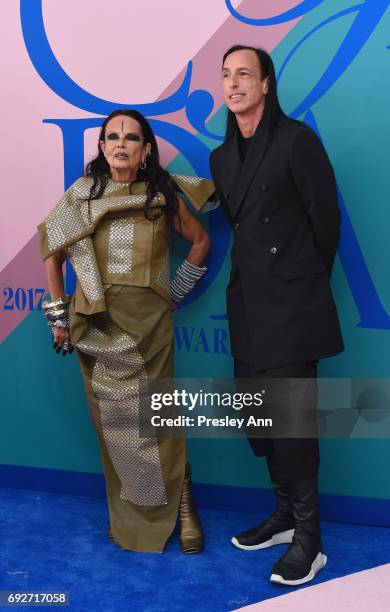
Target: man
277,188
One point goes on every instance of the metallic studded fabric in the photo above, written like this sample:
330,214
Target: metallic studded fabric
73,221
192,180
164,278
99,207
70,224
59,234
197,190
82,256
120,246
72,218
118,380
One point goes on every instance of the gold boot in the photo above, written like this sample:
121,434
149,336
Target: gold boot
191,533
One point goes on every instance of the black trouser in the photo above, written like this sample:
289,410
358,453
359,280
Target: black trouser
293,458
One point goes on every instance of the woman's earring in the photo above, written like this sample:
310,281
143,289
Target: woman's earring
143,165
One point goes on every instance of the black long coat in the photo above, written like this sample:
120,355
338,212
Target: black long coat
282,205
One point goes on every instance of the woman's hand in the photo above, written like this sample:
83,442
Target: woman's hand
61,341
61,335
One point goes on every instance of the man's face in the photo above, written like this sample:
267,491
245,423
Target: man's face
243,88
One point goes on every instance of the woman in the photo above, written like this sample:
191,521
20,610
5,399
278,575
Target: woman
112,224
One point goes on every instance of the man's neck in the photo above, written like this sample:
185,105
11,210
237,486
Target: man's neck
248,123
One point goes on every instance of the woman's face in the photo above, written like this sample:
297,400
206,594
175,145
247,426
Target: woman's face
123,147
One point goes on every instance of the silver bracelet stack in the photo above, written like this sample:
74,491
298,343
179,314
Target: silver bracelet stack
57,316
57,313
187,275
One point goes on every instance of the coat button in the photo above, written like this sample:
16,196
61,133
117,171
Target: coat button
273,250
265,219
226,196
264,188
236,226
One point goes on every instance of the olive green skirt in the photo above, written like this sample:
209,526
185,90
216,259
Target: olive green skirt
119,351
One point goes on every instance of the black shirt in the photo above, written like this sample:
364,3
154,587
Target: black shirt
243,145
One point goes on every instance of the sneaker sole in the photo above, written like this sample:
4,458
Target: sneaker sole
284,537
317,565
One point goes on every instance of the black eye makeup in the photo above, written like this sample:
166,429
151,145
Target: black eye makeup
132,136
129,136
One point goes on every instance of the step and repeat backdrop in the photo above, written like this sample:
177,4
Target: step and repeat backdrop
65,66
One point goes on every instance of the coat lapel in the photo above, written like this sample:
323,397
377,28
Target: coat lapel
253,159
229,172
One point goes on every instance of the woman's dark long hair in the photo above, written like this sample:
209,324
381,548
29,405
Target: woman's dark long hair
273,111
156,178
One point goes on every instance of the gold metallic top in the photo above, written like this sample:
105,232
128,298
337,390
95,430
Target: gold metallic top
110,241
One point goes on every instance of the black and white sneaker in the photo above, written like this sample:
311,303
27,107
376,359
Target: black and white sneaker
274,530
301,563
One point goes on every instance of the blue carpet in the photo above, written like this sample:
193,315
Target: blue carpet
58,543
